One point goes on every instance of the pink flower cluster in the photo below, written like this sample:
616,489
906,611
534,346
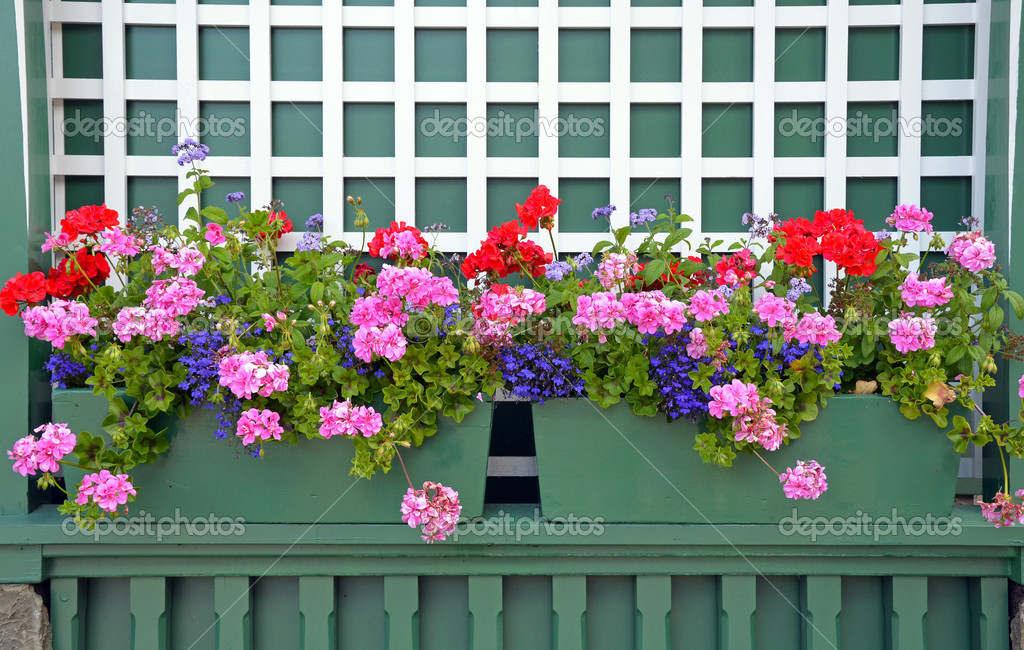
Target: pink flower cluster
215,234
973,251
705,305
29,454
119,243
910,218
105,489
155,319
813,328
343,419
807,481
154,324
187,261
600,312
697,348
58,321
387,342
616,267
925,293
1004,511
418,287
259,425
501,308
1020,387
177,296
52,242
376,311
435,509
651,311
754,419
250,373
773,310
910,333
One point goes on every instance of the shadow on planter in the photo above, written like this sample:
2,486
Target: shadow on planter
304,483
610,463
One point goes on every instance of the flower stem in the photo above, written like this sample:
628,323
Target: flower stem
404,471
759,457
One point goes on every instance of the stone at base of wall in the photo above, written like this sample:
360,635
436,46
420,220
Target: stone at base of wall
24,621
1016,616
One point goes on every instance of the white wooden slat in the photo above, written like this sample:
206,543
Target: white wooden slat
224,15
512,466
259,104
74,12
547,100
115,149
334,165
763,178
692,130
982,34
405,113
150,14
478,91
836,73
911,61
618,126
296,16
187,85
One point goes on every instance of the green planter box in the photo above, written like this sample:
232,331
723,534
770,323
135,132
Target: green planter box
304,483
610,463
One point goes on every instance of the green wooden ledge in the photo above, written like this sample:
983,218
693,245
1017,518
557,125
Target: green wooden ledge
34,547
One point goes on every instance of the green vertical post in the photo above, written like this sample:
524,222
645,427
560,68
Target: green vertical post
316,610
401,602
822,598
737,602
150,599
232,602
907,599
485,605
989,613
67,613
569,600
653,603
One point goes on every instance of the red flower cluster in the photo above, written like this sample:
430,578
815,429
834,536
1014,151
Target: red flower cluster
399,241
76,275
285,228
693,280
506,250
363,270
734,270
73,276
29,288
836,235
540,209
87,220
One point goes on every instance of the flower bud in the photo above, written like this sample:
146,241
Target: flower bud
470,345
989,365
935,359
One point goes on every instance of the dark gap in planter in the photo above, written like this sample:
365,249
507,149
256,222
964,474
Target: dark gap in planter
512,435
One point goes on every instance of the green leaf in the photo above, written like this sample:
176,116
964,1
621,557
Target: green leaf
1017,302
192,215
184,194
600,246
622,233
676,237
215,214
910,411
995,316
956,354
316,292
904,259
653,270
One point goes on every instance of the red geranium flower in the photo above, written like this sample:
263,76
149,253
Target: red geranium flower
29,289
363,270
88,220
399,241
540,208
734,270
506,250
801,243
76,275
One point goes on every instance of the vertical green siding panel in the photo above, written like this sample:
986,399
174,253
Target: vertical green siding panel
611,613
400,603
778,619
653,604
362,622
192,618
862,624
526,619
695,612
738,602
908,602
316,613
568,601
823,598
108,620
948,622
275,613
232,600
149,598
443,613
68,602
988,616
485,594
